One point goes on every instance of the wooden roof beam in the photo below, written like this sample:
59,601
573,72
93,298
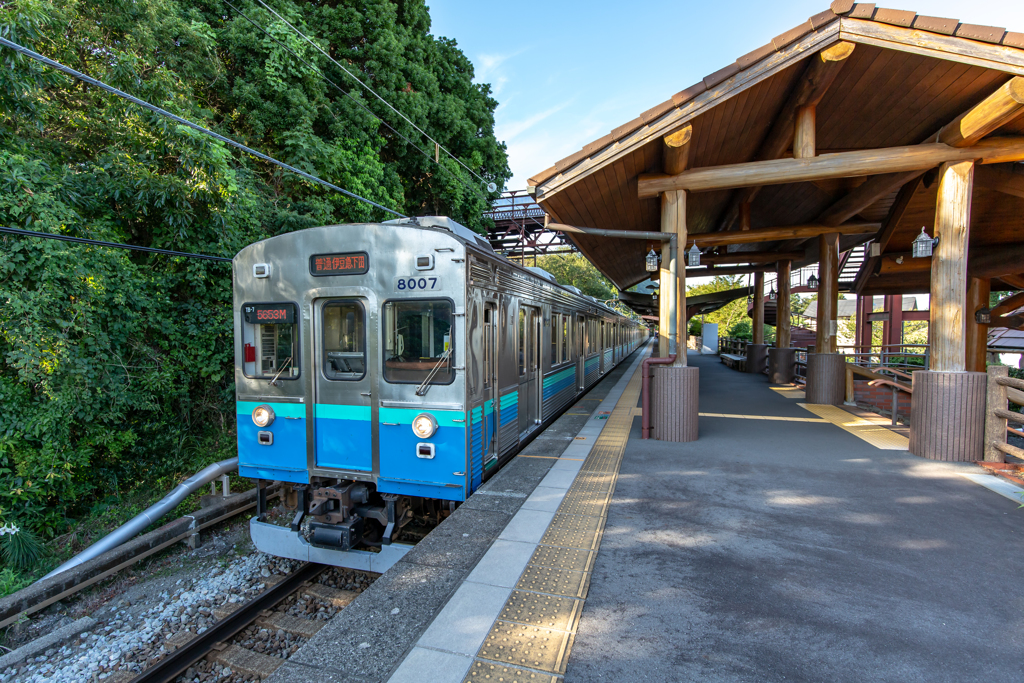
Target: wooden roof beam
676,150
817,78
736,270
714,239
841,165
751,257
999,108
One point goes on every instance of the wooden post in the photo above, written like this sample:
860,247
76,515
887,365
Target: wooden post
896,320
673,219
803,136
828,293
865,310
757,315
995,426
949,267
783,332
744,215
976,340
676,153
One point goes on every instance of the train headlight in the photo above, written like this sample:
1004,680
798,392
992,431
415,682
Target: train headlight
263,416
424,425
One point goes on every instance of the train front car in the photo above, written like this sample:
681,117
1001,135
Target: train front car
350,350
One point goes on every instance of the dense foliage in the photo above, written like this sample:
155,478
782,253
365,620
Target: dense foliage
576,270
116,366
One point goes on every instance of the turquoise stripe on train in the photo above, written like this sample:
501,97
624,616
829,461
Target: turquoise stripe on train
558,382
509,407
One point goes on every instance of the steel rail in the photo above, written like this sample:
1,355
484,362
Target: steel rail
174,664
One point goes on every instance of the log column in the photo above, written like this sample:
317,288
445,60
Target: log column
826,369
758,350
674,394
948,408
782,358
978,290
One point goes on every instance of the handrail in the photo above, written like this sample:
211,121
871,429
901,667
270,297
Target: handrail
896,388
1002,390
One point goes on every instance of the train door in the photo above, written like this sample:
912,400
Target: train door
603,336
342,386
490,380
529,372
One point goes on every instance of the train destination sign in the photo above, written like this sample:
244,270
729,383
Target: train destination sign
355,263
268,314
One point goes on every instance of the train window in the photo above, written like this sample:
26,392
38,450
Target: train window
418,342
522,341
565,337
344,340
270,349
554,340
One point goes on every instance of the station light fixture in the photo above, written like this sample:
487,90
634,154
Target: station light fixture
263,415
771,294
424,425
812,281
652,262
693,255
924,245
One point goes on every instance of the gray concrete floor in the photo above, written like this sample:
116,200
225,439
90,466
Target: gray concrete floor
794,551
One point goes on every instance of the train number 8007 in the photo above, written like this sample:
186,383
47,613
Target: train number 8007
417,284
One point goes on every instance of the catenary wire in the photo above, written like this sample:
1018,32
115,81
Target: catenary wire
337,87
370,90
112,245
163,112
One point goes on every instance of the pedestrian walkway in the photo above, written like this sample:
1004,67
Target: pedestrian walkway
791,548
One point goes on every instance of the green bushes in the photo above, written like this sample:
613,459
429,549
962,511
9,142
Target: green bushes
116,367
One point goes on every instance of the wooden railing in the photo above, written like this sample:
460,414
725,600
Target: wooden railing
1002,390
733,346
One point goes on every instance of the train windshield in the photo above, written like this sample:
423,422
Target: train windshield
344,340
270,341
418,342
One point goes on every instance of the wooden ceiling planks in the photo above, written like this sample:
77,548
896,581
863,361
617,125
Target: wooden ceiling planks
883,97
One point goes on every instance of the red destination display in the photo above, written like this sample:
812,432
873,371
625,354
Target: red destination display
264,314
321,265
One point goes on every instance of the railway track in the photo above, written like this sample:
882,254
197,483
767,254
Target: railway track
215,646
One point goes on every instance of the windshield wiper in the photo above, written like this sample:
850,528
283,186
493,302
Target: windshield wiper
423,388
287,362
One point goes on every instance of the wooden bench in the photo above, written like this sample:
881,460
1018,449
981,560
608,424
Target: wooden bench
734,361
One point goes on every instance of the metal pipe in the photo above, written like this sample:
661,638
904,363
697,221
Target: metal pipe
150,515
645,391
600,232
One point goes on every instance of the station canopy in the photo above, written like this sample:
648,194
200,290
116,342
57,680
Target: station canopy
877,82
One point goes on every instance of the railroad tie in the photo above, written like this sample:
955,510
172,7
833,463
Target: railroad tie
177,640
298,626
226,610
243,661
334,596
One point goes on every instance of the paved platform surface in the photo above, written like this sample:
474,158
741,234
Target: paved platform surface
793,550
392,623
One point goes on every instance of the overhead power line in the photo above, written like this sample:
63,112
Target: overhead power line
112,245
359,104
373,92
163,112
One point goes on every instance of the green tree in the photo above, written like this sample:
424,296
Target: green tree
576,270
732,312
116,367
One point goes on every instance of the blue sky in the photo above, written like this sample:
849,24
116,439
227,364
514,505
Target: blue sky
565,73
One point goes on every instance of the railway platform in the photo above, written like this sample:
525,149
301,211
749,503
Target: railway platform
790,542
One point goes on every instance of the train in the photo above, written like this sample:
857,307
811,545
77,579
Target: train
384,371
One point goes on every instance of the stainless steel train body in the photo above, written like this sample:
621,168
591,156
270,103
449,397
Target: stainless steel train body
382,365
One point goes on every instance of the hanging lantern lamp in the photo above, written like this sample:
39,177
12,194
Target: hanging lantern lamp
924,245
652,262
693,255
812,281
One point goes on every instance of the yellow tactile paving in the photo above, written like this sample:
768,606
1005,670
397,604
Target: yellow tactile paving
871,431
533,636
763,417
790,392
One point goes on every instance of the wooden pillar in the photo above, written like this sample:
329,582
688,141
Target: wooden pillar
803,135
949,267
758,314
783,331
673,219
896,320
828,293
948,410
978,290
865,308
